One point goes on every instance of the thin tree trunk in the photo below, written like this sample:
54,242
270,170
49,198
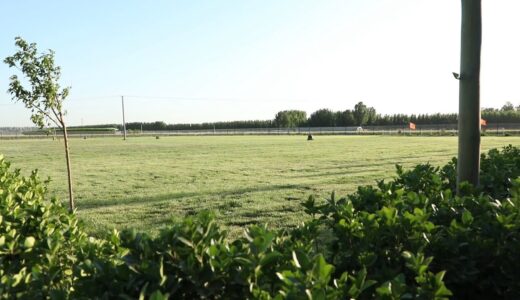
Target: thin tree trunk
469,93
67,158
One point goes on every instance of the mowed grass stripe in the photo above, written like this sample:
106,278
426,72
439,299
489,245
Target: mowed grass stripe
144,182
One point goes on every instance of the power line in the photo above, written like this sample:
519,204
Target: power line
181,98
93,98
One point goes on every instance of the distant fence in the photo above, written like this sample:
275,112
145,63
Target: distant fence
436,129
430,129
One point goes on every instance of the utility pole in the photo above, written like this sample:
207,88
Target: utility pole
124,123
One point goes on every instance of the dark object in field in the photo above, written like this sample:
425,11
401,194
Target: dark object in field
309,137
156,137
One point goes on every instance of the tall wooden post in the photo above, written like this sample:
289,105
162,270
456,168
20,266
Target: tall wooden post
469,93
124,123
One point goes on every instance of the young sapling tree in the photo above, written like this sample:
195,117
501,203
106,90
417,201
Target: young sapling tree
40,92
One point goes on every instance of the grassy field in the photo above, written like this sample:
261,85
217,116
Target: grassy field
144,182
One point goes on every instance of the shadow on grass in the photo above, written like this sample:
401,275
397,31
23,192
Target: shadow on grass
131,201
243,223
361,168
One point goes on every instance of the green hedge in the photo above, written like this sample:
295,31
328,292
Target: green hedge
408,238
73,130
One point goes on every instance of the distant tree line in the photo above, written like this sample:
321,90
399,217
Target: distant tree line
360,115
507,114
159,125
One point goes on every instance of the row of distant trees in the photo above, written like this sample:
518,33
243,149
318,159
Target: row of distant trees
360,115
363,115
200,126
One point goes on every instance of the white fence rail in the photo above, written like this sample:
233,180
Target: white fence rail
440,129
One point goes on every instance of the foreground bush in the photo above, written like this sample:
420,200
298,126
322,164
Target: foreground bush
473,238
38,239
409,238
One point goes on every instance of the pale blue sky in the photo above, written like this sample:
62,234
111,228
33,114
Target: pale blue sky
195,61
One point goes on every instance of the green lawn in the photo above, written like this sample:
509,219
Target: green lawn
143,182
